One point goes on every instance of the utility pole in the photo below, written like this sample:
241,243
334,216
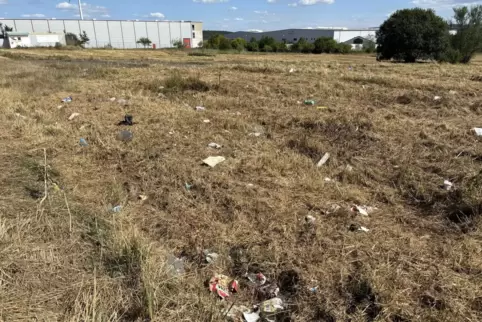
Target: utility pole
80,11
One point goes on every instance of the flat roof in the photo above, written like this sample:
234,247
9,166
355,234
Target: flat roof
133,20
16,34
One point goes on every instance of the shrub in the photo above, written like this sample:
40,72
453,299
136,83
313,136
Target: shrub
412,34
343,48
176,82
144,41
468,39
325,45
238,44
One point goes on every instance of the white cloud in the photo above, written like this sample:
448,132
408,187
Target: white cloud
238,19
157,15
105,16
34,15
210,1
444,3
311,2
233,8
87,8
292,4
3,1
261,12
271,1
254,30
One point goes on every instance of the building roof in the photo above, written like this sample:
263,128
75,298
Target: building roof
130,20
16,34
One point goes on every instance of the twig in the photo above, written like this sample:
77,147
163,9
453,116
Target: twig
45,181
70,214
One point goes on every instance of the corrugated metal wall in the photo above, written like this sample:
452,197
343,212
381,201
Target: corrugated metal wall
118,34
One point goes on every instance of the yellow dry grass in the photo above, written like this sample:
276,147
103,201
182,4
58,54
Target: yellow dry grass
69,258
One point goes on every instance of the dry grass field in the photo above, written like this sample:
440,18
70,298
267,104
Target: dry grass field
66,256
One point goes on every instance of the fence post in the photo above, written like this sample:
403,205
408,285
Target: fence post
122,35
95,34
108,32
135,34
159,34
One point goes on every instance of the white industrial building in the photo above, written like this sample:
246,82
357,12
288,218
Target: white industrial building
14,39
115,33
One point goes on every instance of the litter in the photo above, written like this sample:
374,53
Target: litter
210,257
437,98
313,289
214,145
112,99
256,134
223,286
59,107
448,185
234,313
122,101
188,186
83,142
143,197
310,219
128,120
67,99
323,160
321,107
176,265
328,179
213,161
270,308
452,92
200,108
292,70
258,279
21,116
73,116
206,121
117,209
362,210
364,229
478,131
268,290
251,317
349,168
125,136
309,102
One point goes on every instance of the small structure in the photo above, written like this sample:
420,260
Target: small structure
14,39
358,43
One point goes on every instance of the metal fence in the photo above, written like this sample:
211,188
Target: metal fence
116,33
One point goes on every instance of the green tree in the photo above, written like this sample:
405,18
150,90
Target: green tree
252,45
267,41
224,43
343,48
468,39
144,41
303,46
412,34
238,44
74,40
369,46
177,43
325,45
83,39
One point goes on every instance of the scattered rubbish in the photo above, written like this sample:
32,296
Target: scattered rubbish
128,120
59,107
270,308
299,102
210,257
171,132
112,99
328,179
73,116
222,285
234,312
122,101
309,102
313,289
176,265
478,131
188,186
200,108
349,168
448,185
250,185
21,116
350,68
268,290
251,317
83,142
206,121
213,161
125,136
258,279
364,229
356,227
117,209
292,70
321,107
323,160
310,219
437,98
143,197
452,92
67,99
256,134
214,145
360,209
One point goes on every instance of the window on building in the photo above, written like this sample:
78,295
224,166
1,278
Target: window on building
295,39
194,35
358,41
193,27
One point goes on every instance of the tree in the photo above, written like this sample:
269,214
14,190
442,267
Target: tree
267,41
144,41
224,43
238,44
4,29
84,39
252,45
325,45
177,43
468,39
412,34
369,46
74,40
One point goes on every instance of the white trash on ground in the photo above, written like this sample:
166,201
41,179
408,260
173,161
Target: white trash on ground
448,185
73,116
323,160
478,131
200,108
214,145
213,161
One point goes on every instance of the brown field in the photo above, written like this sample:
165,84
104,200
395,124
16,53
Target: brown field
65,256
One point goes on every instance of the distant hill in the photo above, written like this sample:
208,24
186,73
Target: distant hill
208,33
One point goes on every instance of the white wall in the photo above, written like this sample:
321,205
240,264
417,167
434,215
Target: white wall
16,41
344,35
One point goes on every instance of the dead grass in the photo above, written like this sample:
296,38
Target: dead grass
70,258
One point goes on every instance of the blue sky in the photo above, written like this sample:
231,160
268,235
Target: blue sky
231,14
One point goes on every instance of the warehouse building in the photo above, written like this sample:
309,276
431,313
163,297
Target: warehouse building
115,33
